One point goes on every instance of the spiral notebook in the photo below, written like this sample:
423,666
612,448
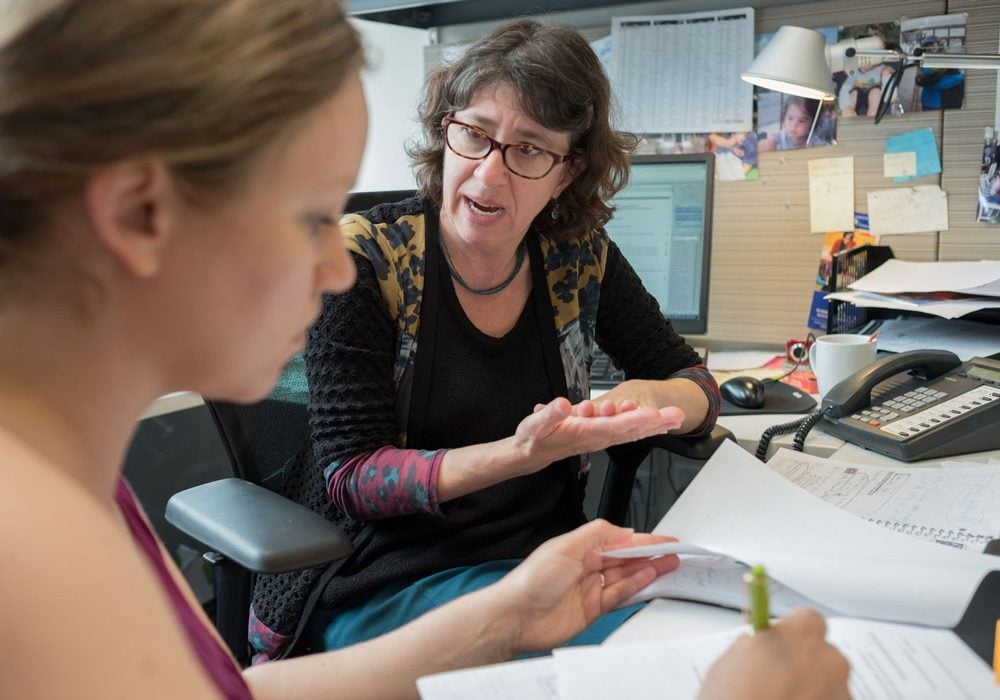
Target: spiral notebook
957,506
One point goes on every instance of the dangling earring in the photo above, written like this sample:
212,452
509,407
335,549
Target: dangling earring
554,214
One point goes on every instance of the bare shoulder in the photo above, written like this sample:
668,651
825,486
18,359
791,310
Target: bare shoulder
83,614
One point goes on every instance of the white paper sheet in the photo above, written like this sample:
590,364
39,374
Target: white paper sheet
887,661
895,276
531,679
719,580
831,194
949,308
957,507
967,339
673,670
681,73
738,507
664,619
908,210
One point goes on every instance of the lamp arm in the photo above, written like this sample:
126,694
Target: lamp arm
929,60
837,54
958,60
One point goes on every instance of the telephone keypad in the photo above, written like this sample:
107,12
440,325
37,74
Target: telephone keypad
925,419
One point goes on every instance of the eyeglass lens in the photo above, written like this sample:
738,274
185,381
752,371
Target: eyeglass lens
520,158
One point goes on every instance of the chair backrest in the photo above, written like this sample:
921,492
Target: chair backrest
261,438
363,201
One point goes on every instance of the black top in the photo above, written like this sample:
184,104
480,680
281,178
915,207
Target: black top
503,378
354,407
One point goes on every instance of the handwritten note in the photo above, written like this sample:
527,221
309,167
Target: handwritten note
920,142
908,210
831,194
719,580
900,164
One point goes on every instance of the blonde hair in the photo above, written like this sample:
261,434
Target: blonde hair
204,84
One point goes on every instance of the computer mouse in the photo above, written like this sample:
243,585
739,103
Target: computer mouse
745,392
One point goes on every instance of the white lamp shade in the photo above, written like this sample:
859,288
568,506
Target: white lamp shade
794,62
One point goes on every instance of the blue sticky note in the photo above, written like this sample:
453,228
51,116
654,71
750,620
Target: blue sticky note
921,142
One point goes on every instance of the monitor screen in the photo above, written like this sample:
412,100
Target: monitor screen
662,224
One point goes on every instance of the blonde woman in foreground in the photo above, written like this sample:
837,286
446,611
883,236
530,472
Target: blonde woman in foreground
171,172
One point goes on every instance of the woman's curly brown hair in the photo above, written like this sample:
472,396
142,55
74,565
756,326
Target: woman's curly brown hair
560,84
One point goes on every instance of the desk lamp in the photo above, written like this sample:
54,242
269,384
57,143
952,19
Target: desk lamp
798,61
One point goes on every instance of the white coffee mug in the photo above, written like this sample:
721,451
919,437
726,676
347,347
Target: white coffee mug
836,357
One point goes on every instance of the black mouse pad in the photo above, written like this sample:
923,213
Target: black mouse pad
778,398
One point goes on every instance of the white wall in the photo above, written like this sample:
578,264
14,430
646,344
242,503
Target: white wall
393,81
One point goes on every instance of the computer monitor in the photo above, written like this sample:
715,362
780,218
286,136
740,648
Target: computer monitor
663,225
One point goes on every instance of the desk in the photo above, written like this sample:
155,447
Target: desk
748,427
666,620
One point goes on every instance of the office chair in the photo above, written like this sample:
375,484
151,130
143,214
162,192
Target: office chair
249,527
624,461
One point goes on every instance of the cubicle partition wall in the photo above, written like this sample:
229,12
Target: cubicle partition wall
764,259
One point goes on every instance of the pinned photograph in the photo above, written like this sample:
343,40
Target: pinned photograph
788,122
861,82
735,155
988,205
922,89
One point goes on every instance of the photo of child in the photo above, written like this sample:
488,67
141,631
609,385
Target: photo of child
797,116
861,85
784,121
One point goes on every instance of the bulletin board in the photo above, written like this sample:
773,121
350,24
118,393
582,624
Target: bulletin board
764,259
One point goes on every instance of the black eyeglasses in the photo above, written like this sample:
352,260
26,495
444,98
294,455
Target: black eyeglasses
522,159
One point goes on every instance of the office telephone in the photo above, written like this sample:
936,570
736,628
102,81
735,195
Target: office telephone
918,405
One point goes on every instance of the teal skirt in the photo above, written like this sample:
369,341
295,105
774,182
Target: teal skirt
400,602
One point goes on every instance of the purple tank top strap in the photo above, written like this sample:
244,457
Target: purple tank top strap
218,664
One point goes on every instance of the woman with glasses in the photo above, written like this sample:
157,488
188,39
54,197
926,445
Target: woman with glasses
449,389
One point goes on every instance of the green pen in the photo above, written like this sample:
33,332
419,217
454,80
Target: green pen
759,609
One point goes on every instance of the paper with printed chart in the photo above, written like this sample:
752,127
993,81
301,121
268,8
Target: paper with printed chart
737,506
957,507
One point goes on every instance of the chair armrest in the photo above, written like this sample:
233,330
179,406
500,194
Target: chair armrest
624,460
691,447
258,529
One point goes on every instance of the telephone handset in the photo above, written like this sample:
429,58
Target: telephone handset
918,405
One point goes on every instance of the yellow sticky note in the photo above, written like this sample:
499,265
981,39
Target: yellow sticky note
996,654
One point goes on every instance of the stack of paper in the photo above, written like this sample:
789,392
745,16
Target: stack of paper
967,339
891,599
887,661
946,289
